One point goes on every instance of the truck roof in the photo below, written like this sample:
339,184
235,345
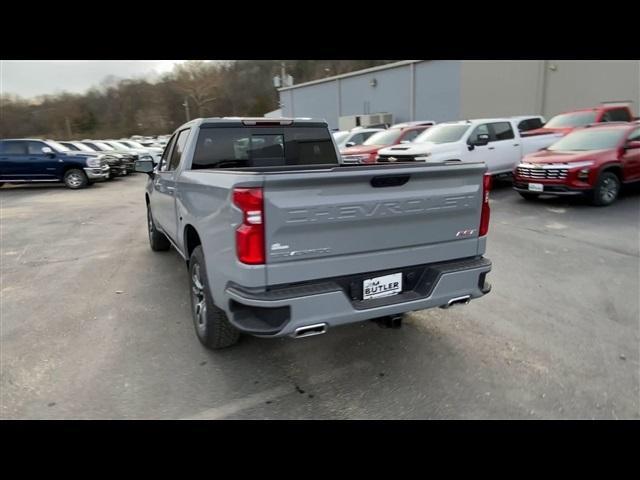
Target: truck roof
250,121
621,125
480,120
24,139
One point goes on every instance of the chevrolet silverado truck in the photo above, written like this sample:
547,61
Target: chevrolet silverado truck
594,161
33,160
568,121
280,239
496,141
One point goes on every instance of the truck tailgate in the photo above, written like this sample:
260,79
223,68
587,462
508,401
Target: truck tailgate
321,224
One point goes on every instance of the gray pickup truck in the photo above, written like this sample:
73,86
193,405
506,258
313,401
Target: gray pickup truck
280,239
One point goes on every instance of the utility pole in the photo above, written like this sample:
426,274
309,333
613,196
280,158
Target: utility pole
186,108
68,125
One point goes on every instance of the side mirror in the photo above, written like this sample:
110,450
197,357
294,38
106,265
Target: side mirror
48,151
350,144
482,140
144,166
632,144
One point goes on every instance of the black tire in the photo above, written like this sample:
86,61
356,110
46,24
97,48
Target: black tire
212,326
607,189
529,196
75,179
158,241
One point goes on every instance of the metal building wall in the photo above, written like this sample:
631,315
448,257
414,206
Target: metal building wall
499,88
426,90
391,93
547,87
584,83
450,90
437,90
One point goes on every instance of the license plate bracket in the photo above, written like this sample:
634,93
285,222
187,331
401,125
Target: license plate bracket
383,286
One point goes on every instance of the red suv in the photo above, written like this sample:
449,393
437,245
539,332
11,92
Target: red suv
595,161
568,121
368,151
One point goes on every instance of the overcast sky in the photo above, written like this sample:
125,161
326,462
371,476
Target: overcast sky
29,78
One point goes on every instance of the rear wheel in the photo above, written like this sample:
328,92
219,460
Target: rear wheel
211,323
607,189
529,196
157,239
75,179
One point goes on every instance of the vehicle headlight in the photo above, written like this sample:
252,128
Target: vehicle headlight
355,158
422,157
93,162
586,163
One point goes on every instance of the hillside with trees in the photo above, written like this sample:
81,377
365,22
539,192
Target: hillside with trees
119,108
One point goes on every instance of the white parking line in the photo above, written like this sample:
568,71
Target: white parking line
259,398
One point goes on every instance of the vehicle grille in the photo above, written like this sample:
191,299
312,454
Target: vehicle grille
349,161
542,173
398,158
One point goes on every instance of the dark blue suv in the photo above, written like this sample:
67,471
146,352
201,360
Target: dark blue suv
36,160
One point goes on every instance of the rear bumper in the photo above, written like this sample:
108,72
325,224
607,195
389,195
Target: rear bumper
280,311
561,190
98,173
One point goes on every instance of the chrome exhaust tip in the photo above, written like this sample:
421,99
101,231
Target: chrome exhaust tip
458,301
310,330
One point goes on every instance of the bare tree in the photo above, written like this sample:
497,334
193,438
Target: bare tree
199,81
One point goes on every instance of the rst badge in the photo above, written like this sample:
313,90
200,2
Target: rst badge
466,233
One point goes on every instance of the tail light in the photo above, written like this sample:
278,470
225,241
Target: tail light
486,212
250,235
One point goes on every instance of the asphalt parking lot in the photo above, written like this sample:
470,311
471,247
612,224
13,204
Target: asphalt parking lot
96,325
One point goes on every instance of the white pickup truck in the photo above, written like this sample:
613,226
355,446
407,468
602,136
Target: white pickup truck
496,141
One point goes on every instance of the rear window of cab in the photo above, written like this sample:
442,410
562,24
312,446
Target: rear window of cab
242,147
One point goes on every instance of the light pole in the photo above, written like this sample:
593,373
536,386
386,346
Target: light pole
186,108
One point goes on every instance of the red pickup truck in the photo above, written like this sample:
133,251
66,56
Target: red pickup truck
594,161
568,121
368,151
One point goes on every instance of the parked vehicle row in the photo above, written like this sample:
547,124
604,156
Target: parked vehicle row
367,152
37,160
497,141
591,152
76,163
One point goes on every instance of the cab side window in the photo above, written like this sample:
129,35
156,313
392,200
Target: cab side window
410,135
366,135
479,130
357,139
14,148
35,148
178,150
501,131
617,115
164,160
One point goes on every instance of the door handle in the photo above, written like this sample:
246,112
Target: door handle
492,148
516,144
